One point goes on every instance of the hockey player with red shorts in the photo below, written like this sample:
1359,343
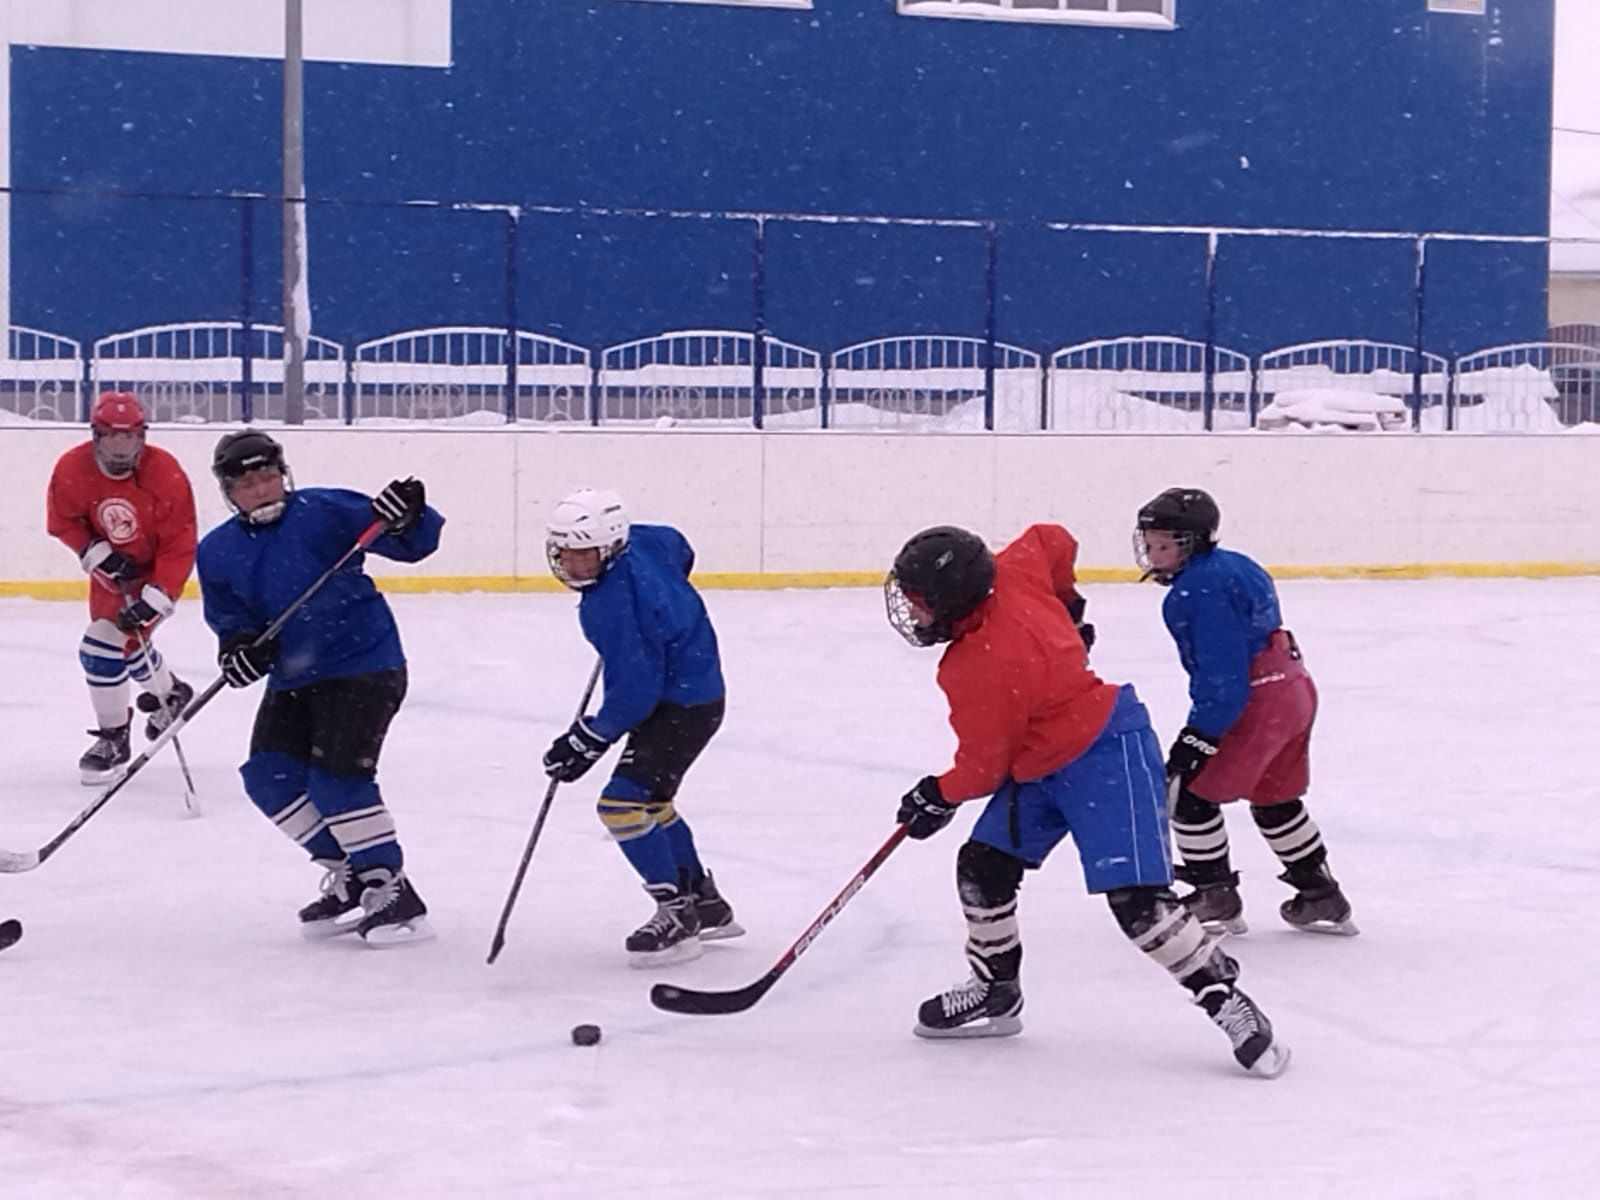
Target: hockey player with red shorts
127,511
1056,751
1249,731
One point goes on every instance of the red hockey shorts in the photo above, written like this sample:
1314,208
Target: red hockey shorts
1266,757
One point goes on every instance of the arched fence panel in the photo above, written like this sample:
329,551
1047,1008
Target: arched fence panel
709,376
1534,387
463,375
1147,384
217,371
41,378
932,382
1350,383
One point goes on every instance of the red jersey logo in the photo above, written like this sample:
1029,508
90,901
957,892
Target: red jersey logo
119,519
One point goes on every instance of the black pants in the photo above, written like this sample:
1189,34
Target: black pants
663,746
337,725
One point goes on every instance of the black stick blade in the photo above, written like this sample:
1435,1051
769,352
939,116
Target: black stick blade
707,1004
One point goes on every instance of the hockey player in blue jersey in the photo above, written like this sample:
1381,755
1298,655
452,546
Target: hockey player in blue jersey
663,692
336,674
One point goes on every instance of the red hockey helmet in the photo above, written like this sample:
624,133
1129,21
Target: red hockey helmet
117,425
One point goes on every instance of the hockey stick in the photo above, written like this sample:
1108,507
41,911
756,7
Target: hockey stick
687,1000
499,942
13,861
191,802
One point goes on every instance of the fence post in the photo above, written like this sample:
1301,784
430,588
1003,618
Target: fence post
1208,395
512,350
990,276
1419,286
247,256
758,350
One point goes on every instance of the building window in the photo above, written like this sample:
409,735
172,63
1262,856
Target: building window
1139,14
1472,7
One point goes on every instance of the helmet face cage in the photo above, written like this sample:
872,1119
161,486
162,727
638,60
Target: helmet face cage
1141,553
588,519
117,429
897,606
1187,515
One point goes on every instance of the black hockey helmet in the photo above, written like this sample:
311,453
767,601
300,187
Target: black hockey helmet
944,570
1188,514
241,452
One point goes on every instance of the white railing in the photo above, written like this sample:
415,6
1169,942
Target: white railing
461,375
1351,383
708,375
1533,387
41,378
1148,384
194,371
931,381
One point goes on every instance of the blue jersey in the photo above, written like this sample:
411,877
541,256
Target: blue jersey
1221,610
651,630
250,573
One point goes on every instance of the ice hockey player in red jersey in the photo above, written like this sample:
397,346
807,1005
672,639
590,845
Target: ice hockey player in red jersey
1248,735
126,510
1056,751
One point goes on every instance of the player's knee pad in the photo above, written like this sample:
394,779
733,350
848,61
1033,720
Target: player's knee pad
625,819
102,654
1163,928
1192,810
986,877
276,784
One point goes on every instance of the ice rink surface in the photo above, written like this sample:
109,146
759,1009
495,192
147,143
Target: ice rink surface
168,1034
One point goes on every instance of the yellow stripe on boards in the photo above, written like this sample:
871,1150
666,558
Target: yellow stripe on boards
77,589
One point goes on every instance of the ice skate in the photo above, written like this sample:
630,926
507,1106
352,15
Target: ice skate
672,935
715,914
1255,1047
976,1008
341,896
164,712
1217,907
395,914
1319,910
103,762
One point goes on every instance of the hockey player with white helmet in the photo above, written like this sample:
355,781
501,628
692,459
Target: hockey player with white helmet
663,692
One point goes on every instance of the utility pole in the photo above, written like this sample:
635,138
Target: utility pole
296,292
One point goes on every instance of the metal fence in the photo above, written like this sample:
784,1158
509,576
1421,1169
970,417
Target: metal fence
203,372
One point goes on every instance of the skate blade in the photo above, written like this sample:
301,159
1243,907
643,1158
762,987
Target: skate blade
1274,1061
722,932
385,937
685,951
992,1027
1235,927
101,778
1345,928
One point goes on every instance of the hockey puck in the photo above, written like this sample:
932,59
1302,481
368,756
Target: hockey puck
586,1035
11,934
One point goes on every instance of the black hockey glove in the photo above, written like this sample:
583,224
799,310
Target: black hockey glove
243,662
152,605
1075,609
98,558
572,754
1192,751
400,504
923,810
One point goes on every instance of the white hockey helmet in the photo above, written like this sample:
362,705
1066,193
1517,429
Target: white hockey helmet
588,519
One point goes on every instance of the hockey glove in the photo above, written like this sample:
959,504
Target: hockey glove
923,810
152,605
572,754
111,567
400,504
1191,752
243,662
1075,609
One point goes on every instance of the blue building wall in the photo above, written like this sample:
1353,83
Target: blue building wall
1370,116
